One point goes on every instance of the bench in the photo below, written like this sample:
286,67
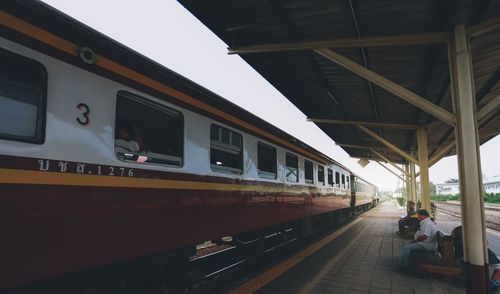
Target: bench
441,261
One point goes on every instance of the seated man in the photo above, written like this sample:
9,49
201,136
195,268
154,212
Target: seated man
425,239
493,260
124,143
405,221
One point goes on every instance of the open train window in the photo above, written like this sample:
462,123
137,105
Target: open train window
337,179
292,168
330,177
23,96
226,150
343,181
266,161
308,171
148,132
321,175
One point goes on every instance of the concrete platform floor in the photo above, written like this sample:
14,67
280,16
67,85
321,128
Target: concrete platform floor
363,259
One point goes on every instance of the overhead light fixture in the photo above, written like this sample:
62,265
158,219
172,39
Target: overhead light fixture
363,162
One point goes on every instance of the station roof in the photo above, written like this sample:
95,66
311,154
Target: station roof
404,41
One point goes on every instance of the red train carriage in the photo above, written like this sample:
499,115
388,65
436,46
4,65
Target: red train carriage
107,156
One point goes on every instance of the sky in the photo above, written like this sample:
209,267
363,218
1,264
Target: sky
166,32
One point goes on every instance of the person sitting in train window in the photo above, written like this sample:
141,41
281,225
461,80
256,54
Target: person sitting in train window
125,143
425,239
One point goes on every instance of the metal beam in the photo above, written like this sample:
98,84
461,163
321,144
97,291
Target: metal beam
364,123
389,161
360,147
390,86
490,108
388,144
483,27
413,39
389,170
441,153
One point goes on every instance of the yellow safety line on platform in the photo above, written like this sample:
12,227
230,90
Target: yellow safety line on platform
265,278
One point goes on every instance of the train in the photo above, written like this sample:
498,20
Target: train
107,156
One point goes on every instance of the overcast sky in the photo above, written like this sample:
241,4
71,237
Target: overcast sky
167,33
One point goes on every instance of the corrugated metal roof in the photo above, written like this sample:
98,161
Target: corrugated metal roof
323,89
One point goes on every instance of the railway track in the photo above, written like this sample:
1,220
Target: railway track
445,208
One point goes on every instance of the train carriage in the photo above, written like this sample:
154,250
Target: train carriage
107,156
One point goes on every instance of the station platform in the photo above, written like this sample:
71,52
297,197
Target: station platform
361,257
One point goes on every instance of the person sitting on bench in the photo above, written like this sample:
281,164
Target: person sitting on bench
493,259
407,220
425,239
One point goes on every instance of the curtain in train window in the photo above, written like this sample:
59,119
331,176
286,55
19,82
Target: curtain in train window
23,84
147,131
266,161
321,175
330,177
308,171
292,168
226,150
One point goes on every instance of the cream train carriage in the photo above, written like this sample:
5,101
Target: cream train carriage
107,156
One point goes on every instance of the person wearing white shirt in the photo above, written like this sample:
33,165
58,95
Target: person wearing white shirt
425,239
124,143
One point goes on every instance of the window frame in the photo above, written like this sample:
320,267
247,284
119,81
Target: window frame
41,114
322,168
225,169
307,181
286,167
331,183
337,179
158,106
264,174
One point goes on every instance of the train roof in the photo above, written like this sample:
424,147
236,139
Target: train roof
44,16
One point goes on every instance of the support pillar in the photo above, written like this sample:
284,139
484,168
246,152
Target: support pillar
413,182
423,159
469,162
408,183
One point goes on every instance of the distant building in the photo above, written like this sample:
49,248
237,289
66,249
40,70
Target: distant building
448,188
491,185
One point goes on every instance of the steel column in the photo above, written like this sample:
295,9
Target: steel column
413,182
423,160
471,190
408,182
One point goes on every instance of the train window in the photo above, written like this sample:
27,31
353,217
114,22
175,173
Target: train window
226,150
343,181
347,182
330,177
23,92
337,179
321,175
292,168
148,132
266,161
308,171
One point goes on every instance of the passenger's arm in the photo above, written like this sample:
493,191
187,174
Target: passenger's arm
419,239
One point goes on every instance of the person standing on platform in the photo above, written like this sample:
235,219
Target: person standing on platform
425,239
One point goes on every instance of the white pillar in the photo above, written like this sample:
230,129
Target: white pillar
471,190
423,160
413,181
